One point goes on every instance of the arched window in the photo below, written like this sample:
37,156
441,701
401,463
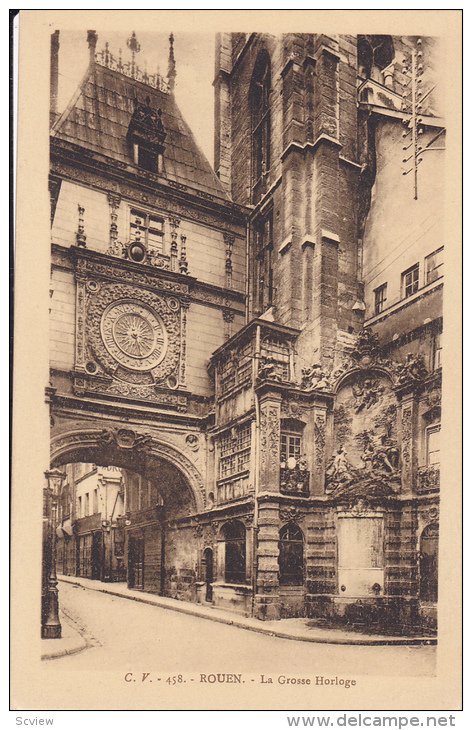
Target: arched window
260,122
234,534
291,556
429,563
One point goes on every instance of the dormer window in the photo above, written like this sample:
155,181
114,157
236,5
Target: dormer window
146,136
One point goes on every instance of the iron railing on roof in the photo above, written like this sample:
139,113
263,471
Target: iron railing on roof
130,69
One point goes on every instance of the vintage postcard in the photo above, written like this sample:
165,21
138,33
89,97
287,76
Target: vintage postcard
236,450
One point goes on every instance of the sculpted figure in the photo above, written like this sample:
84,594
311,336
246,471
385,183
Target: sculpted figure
315,377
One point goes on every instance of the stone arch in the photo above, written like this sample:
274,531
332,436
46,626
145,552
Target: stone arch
374,370
127,448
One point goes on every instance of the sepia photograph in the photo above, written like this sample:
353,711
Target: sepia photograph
250,239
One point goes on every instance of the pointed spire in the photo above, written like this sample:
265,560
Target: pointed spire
135,47
171,70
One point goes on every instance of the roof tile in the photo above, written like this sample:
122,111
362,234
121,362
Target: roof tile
99,117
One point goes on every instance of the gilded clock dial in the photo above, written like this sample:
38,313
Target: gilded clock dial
134,335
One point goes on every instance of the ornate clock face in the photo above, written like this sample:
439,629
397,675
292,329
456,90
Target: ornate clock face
134,335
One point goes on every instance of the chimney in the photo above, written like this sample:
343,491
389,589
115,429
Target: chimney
54,77
92,39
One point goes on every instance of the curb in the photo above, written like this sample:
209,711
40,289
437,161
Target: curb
191,610
76,643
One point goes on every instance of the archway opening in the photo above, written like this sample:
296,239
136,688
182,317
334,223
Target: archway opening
123,516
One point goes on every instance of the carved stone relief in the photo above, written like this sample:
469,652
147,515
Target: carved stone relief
290,513
270,437
366,458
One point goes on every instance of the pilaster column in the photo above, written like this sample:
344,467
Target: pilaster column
409,415
269,443
319,449
266,599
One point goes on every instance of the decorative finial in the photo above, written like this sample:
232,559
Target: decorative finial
80,237
171,70
134,46
92,39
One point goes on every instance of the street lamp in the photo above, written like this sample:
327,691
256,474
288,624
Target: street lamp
51,627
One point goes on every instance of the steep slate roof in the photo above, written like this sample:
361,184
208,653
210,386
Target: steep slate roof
98,116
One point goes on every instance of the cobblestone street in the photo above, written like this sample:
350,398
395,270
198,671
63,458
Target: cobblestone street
127,635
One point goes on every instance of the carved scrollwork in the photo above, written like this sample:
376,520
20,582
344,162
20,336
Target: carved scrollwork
270,437
125,438
288,513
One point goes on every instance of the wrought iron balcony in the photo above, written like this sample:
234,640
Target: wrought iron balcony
428,478
295,482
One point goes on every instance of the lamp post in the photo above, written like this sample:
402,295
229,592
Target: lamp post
51,626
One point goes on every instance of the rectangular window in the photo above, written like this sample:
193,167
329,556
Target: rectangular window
228,375
433,445
87,505
147,159
380,297
148,229
434,266
79,507
245,363
437,351
410,280
236,370
290,447
276,351
235,451
95,501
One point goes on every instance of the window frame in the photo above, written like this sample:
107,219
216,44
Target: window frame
235,552
234,451
149,242
379,302
414,284
437,350
433,428
288,548
429,257
287,435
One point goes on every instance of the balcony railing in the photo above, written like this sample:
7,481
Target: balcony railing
295,482
428,478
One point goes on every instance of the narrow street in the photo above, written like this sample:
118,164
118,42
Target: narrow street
125,634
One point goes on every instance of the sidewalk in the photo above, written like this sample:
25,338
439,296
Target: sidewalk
70,642
294,628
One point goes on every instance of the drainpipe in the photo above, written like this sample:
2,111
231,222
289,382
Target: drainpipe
247,272
257,355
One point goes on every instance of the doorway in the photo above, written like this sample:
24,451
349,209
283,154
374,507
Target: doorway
97,555
208,559
429,544
136,562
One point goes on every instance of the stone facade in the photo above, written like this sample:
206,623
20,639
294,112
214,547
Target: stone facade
285,406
